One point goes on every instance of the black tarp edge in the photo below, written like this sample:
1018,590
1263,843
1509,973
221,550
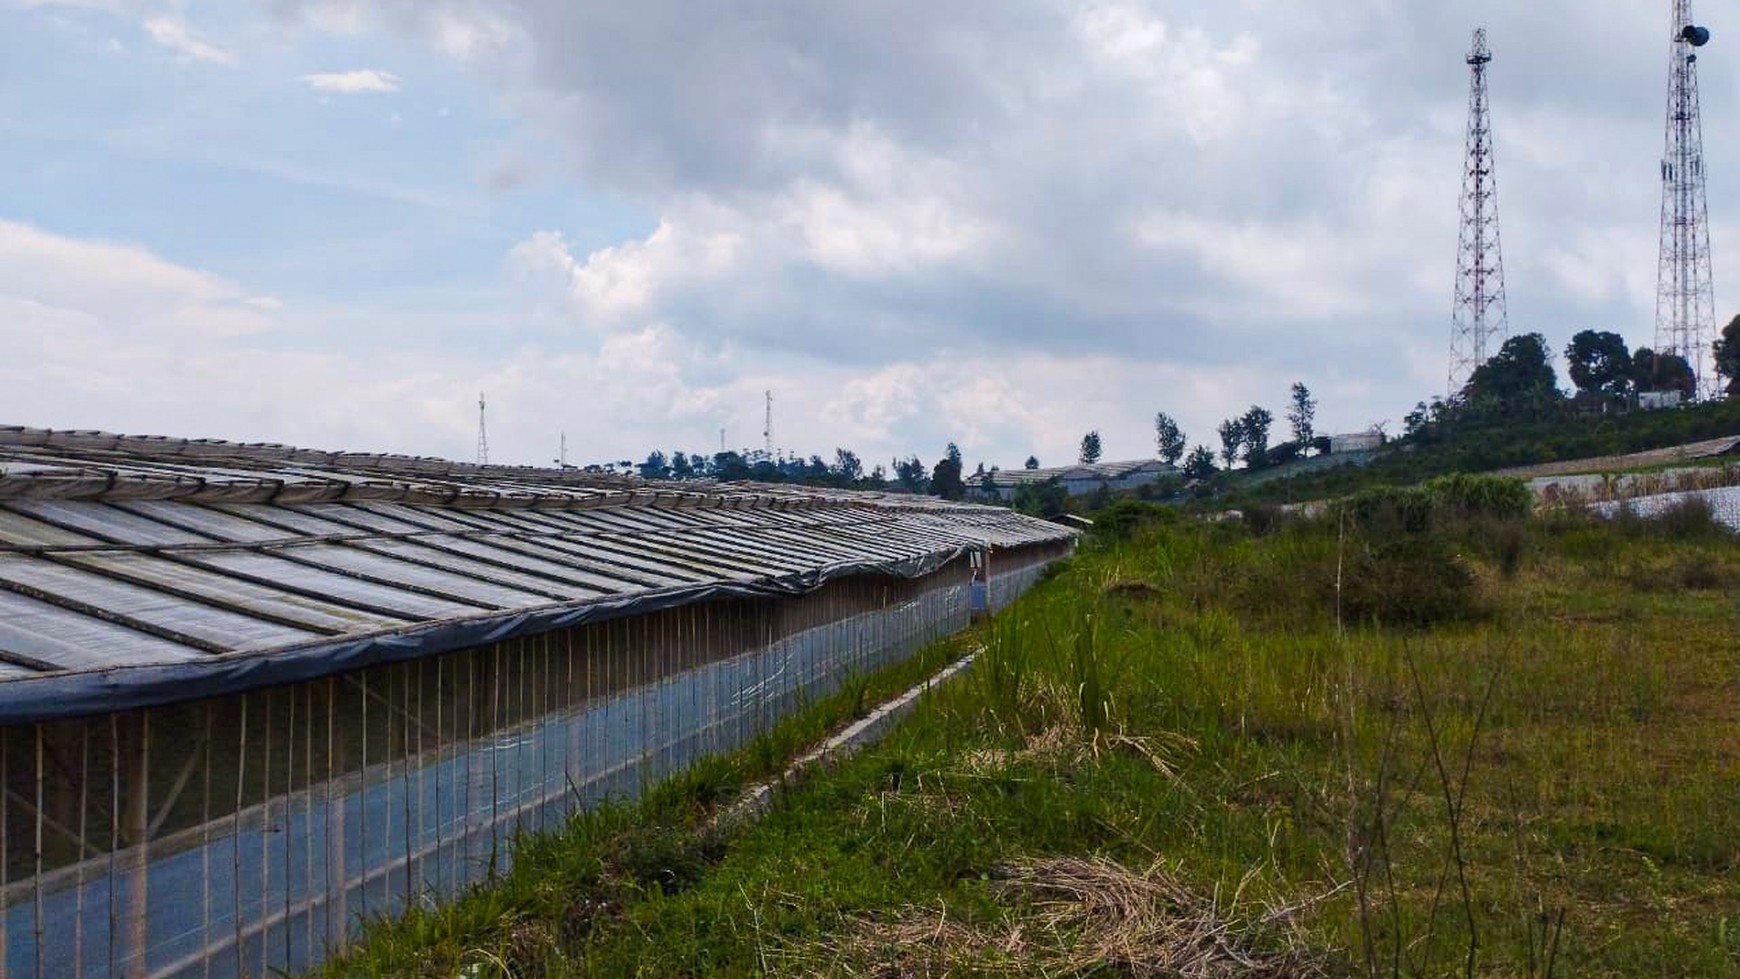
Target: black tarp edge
64,696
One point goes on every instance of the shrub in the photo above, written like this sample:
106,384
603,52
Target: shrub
1689,518
1262,519
1121,520
1415,580
1485,496
1417,509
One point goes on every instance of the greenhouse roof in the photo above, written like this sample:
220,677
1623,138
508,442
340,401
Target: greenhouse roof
136,571
1082,472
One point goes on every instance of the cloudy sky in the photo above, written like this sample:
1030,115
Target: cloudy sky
998,222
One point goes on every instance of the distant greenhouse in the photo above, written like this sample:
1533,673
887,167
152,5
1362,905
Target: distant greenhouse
1077,480
251,694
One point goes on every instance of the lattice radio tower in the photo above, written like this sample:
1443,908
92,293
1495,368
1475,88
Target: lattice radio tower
1685,303
1481,320
482,433
767,427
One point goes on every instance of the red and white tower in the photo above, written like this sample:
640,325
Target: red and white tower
1685,304
1481,320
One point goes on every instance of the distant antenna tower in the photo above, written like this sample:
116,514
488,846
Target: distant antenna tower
1685,303
562,454
767,426
1481,318
482,433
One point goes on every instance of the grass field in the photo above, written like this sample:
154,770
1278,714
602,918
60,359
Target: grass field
1479,747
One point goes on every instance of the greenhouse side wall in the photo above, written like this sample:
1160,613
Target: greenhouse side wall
250,834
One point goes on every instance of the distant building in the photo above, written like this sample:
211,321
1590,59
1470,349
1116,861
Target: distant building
1077,480
1658,400
1356,442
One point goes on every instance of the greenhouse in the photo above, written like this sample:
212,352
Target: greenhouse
251,695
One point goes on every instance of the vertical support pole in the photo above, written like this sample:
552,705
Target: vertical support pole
362,797
84,848
36,881
236,837
205,818
139,828
308,719
440,879
337,887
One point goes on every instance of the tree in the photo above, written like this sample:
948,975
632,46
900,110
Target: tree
655,466
730,467
1200,463
1090,448
1727,352
1168,439
1048,499
1232,438
681,467
945,479
847,467
1032,462
1302,415
1651,371
909,474
1254,426
1599,363
878,476
1518,382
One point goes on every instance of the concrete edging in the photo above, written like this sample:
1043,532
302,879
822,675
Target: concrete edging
755,802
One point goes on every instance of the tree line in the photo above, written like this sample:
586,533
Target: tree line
1244,438
946,479
1519,383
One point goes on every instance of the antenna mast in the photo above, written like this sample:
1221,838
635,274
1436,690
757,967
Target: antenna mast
482,433
1481,317
767,426
1685,304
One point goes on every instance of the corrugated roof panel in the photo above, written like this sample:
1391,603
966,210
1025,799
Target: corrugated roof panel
209,521
287,520
451,584
340,587
468,573
108,522
418,517
705,555
69,641
609,564
693,567
17,528
245,597
227,630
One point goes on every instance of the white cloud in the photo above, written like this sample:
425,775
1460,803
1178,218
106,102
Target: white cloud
353,82
635,277
123,287
180,38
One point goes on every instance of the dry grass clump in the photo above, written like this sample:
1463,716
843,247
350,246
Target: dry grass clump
1080,917
1068,745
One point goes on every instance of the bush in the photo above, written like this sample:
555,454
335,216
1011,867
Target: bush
1417,581
1121,520
1438,503
1689,518
1262,519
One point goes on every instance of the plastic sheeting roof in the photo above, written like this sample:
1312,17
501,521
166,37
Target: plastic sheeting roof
1082,472
138,571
